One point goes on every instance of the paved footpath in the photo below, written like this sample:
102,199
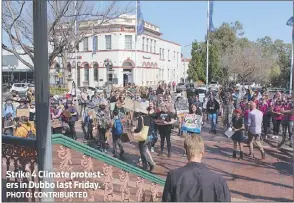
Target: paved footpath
249,179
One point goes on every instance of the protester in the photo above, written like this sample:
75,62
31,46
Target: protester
9,108
263,107
74,117
212,108
164,121
23,103
153,127
277,117
117,131
254,129
103,119
228,108
238,128
288,119
25,130
195,182
146,157
160,90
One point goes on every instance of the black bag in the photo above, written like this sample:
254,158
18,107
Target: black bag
125,138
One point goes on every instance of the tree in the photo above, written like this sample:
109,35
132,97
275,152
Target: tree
196,65
249,63
17,25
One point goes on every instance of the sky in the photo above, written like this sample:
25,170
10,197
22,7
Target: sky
185,21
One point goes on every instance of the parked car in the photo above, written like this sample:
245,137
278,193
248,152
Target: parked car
19,87
181,87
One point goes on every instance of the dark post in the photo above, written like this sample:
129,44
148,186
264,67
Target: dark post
41,65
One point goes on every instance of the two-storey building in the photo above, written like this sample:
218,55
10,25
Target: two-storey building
144,61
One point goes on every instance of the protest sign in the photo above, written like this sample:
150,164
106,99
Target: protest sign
182,107
129,104
22,112
192,123
141,107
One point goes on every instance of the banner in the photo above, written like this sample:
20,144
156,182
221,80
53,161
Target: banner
22,112
141,107
129,104
182,107
192,123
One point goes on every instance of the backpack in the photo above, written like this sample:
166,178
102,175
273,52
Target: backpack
30,133
117,127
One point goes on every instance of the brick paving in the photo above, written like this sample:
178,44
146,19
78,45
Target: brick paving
249,179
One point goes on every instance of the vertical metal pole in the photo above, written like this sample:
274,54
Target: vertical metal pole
76,54
207,45
136,36
292,58
291,80
41,64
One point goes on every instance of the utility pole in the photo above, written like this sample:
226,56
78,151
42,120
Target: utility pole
41,65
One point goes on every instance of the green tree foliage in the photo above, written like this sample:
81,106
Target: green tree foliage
197,64
227,39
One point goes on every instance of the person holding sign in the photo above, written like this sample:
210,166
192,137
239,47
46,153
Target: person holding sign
165,119
239,131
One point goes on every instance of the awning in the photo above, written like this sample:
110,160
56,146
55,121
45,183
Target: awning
18,69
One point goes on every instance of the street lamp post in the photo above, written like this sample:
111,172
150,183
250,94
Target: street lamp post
108,65
12,68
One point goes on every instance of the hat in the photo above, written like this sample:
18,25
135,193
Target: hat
238,111
23,100
8,98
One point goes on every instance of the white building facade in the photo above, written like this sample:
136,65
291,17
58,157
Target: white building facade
155,60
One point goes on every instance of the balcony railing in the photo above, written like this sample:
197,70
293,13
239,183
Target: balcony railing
18,155
119,181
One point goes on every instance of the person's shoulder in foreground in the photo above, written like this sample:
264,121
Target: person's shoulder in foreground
195,182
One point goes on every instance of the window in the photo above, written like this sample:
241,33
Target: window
95,66
143,45
128,41
147,41
151,45
95,43
163,54
167,54
108,42
154,46
160,53
85,44
86,72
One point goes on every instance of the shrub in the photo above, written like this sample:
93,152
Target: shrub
58,91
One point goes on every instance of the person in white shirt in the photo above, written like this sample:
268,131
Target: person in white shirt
254,129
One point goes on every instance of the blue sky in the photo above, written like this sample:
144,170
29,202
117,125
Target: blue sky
185,21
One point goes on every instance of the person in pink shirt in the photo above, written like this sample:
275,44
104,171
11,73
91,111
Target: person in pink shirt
288,119
277,116
243,104
263,107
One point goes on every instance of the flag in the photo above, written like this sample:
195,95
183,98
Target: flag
211,27
290,21
140,20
